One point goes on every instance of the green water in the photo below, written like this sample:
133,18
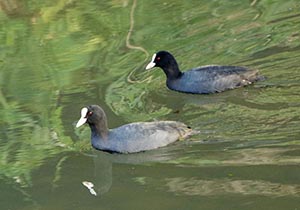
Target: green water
58,56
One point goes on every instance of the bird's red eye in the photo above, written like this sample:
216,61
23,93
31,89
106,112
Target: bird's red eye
158,58
89,113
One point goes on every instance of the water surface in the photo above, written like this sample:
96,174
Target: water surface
58,56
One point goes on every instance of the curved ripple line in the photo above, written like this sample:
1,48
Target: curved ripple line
130,46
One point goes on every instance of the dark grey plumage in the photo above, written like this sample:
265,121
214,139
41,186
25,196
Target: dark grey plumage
133,137
205,79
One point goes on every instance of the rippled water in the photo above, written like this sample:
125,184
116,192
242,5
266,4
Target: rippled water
58,56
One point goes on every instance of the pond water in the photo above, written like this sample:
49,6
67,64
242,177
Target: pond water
59,56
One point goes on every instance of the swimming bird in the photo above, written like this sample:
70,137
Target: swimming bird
133,137
204,79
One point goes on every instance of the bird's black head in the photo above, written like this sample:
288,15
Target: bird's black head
167,62
92,114
160,59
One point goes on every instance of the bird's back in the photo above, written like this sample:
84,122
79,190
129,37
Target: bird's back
142,136
210,79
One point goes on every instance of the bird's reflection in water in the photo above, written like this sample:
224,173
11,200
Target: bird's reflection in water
103,164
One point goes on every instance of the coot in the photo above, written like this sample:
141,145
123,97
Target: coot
133,137
202,80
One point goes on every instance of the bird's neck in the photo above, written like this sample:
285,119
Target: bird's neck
172,70
100,130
